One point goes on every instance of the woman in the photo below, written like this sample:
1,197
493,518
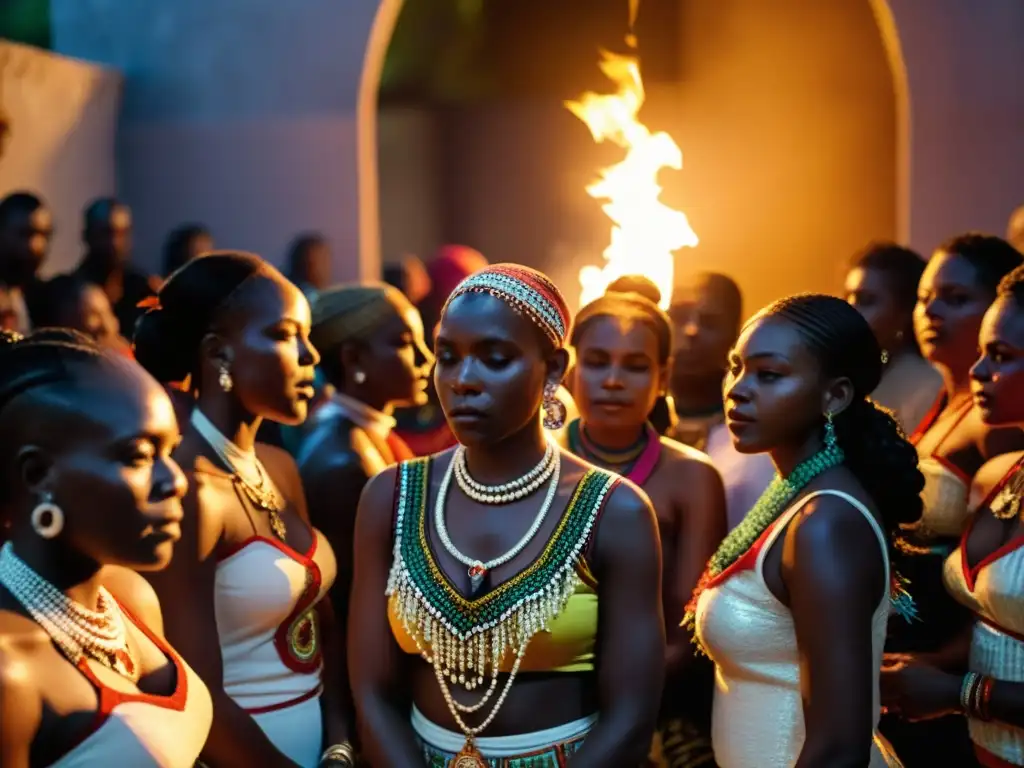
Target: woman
373,355
622,343
794,604
86,677
495,685
185,243
953,442
244,593
882,285
985,572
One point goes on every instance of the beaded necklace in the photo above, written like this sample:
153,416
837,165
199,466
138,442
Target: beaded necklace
467,640
769,507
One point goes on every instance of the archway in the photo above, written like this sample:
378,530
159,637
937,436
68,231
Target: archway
789,119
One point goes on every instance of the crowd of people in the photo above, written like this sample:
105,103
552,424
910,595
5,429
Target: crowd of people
253,518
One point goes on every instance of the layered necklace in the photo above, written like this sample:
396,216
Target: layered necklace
635,463
548,468
247,472
467,640
769,507
77,631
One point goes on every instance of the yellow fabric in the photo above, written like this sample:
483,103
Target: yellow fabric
567,646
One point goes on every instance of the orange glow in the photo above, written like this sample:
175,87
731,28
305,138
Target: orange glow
645,232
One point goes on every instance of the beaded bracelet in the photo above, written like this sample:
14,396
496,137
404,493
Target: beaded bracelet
976,696
971,680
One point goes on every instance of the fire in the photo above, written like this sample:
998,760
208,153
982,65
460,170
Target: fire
645,231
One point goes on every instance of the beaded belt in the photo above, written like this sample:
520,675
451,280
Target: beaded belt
554,756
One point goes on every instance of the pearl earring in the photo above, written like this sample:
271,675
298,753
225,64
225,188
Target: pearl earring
224,379
359,377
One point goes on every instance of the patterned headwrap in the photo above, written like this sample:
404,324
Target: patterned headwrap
353,311
528,292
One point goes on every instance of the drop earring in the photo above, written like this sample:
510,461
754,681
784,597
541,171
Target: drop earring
47,518
224,379
830,431
885,357
359,377
554,409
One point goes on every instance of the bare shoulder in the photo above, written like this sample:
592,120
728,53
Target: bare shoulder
375,514
281,466
22,645
832,539
628,523
991,475
136,594
695,464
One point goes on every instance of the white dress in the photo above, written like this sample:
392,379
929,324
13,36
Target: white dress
758,719
266,595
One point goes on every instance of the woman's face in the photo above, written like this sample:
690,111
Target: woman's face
271,359
997,378
950,306
871,293
618,376
396,359
110,469
491,369
93,316
774,392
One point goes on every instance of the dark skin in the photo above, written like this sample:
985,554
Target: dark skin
263,339
950,306
925,686
828,554
706,317
871,292
491,370
103,450
338,457
618,376
24,243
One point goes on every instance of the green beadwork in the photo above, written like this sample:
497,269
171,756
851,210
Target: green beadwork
772,503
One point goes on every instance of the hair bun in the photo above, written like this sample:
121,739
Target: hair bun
156,349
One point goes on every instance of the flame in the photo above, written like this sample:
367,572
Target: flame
645,231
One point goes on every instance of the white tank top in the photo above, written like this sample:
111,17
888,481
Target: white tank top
144,730
994,590
758,719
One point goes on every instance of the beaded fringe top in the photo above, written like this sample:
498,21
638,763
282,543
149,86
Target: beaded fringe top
468,639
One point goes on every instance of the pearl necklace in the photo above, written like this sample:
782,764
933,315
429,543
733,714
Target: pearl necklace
477,570
247,470
508,492
76,630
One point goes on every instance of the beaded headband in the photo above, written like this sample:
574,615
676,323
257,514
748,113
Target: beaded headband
527,291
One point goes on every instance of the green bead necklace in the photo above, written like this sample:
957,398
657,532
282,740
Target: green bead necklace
769,507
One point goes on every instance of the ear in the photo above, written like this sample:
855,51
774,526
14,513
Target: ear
35,469
352,355
665,377
557,365
216,352
838,396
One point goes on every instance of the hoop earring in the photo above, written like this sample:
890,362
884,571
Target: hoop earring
359,377
47,518
224,379
830,431
554,409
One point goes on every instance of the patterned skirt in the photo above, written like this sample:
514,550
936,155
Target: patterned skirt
544,749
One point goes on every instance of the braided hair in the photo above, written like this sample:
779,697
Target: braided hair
51,357
877,452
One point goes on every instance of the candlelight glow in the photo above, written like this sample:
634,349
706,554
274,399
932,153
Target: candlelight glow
645,231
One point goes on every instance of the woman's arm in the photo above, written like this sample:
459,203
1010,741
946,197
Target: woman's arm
186,593
702,526
834,573
379,686
631,633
